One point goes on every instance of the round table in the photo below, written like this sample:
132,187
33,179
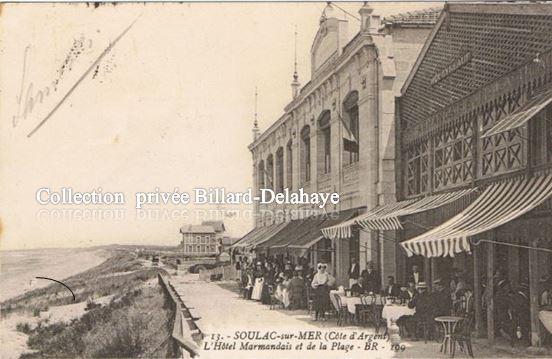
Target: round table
392,312
545,317
449,324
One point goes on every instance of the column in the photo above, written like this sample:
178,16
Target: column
513,264
342,261
477,291
534,293
490,289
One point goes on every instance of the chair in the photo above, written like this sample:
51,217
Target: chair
378,320
365,311
342,311
462,336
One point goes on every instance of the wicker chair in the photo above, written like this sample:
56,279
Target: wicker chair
342,311
462,336
365,311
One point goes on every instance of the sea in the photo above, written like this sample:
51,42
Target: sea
19,268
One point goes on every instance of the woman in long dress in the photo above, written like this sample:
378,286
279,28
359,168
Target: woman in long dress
321,284
258,276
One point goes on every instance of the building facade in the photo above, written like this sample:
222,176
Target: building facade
338,135
199,240
475,121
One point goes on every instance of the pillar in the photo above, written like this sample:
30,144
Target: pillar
342,262
477,291
490,289
513,265
534,293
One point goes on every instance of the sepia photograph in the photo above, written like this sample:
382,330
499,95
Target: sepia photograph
276,179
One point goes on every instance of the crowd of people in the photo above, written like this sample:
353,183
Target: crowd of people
296,285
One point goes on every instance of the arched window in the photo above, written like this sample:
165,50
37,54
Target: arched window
324,143
305,154
261,175
279,170
270,171
350,128
289,165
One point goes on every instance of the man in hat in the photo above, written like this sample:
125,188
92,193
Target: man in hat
424,305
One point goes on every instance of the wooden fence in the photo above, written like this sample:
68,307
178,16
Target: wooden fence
185,331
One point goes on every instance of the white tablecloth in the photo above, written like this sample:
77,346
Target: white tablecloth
351,302
545,317
393,312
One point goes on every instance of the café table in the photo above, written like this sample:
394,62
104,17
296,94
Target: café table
545,317
449,324
352,301
392,312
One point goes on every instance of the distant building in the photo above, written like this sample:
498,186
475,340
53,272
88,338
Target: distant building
205,239
198,240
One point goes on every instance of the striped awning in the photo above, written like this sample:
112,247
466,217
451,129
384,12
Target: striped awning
522,114
500,203
386,217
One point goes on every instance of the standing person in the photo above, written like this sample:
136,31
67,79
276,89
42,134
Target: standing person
238,267
258,276
415,276
297,291
354,272
371,281
321,284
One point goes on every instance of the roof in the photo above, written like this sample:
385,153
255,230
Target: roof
228,241
194,228
218,226
472,45
413,18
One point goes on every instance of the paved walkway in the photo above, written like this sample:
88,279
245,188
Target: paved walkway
225,317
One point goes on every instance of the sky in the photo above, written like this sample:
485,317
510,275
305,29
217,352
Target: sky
170,105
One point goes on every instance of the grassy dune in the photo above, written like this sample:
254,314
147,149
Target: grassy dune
134,323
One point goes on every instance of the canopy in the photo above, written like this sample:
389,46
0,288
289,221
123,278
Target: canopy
386,217
500,203
294,231
259,235
522,114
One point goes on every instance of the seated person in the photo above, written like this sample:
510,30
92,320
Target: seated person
410,293
392,289
424,305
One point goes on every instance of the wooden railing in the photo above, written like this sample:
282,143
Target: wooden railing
185,331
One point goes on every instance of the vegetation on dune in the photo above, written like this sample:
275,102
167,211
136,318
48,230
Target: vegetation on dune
96,282
135,325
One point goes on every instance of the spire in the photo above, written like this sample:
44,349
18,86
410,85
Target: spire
255,130
295,83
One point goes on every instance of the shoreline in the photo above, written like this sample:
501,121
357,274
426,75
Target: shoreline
18,282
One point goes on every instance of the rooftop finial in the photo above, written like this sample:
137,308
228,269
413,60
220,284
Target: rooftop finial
295,83
295,75
255,130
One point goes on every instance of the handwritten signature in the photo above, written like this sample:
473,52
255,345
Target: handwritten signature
27,97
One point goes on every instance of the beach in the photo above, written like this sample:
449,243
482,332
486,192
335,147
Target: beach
18,270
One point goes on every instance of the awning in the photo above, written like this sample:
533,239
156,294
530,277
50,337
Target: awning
259,235
312,237
294,231
522,114
500,203
386,217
